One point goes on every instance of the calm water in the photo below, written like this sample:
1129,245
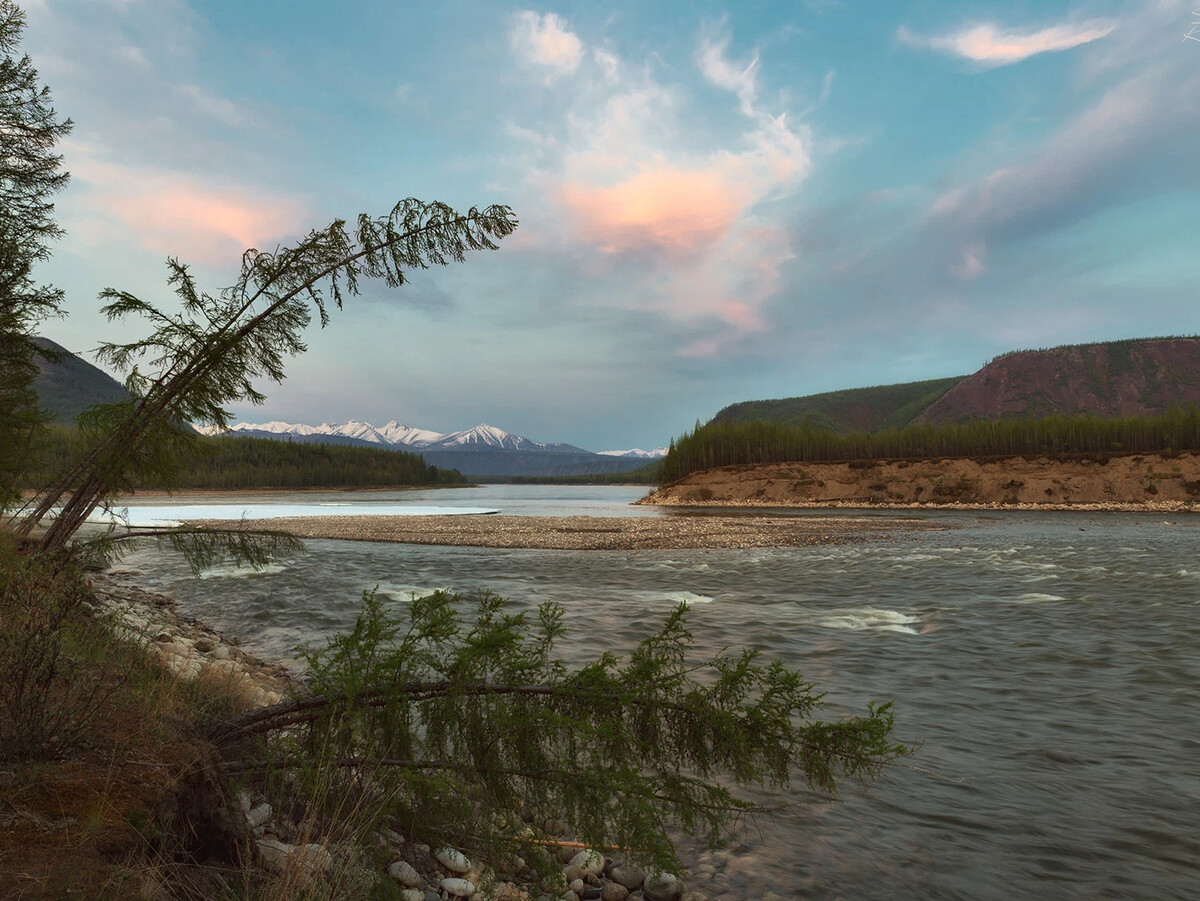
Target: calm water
1048,665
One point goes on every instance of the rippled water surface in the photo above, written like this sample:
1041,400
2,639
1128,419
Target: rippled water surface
1048,665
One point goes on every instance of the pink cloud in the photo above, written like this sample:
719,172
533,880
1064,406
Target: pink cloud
676,211
176,214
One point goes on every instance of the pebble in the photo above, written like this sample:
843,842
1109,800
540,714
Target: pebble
629,877
412,894
662,887
259,815
403,872
454,861
457,888
614,891
589,861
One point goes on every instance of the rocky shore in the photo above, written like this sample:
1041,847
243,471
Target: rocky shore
591,532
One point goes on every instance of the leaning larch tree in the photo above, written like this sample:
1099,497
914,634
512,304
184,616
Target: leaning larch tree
463,729
209,353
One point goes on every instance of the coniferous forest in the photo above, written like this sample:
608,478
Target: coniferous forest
244,463
731,444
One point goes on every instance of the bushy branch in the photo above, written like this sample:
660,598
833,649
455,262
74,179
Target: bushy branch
457,728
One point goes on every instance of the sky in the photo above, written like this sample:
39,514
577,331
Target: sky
718,202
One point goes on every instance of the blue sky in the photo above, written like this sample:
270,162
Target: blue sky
718,202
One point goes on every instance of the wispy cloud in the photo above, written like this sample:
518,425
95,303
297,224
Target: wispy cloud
991,46
545,41
740,78
175,213
638,195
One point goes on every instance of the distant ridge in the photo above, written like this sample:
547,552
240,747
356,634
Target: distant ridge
851,410
1113,379
69,385
1110,379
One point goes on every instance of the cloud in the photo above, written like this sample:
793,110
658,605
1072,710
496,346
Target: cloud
992,46
218,108
675,211
177,214
735,77
677,219
545,41
1124,144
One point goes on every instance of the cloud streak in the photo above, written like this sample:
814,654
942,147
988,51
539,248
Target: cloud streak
545,41
992,46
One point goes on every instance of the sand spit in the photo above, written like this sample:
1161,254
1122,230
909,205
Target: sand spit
1155,482
614,533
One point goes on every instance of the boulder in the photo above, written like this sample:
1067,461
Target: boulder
454,861
590,861
402,871
662,887
629,877
457,888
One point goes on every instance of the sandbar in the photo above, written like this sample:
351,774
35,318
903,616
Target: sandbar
616,533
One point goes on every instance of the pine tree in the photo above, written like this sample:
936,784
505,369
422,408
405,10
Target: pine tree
30,174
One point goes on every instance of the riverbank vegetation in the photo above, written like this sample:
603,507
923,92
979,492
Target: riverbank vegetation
246,463
731,444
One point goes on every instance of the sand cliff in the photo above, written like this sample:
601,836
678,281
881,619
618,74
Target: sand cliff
1144,481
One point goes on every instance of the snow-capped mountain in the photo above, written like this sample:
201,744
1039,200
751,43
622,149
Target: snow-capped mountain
395,433
482,450
636,452
480,437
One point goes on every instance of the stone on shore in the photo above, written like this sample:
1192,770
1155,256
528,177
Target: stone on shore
457,888
454,861
402,871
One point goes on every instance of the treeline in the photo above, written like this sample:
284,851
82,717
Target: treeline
729,444
261,463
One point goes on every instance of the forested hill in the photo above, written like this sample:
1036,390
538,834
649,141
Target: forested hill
1114,379
69,385
852,410
1142,377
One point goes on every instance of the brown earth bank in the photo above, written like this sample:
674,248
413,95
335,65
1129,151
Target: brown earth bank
1135,482
612,533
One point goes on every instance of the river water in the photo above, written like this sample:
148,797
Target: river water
1046,664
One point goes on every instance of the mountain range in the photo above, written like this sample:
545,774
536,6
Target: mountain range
480,451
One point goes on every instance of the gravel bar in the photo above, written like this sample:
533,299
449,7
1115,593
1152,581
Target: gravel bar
612,533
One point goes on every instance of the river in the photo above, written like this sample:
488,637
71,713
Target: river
1046,664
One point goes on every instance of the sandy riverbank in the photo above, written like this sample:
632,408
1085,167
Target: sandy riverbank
1152,482
592,532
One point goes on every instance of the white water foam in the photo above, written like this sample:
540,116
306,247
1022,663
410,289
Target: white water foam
1035,597
675,597
242,572
859,619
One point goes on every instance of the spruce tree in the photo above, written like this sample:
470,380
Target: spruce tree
30,174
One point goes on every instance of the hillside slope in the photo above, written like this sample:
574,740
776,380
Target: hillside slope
68,386
1142,377
851,410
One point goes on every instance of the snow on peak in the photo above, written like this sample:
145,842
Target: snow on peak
484,435
395,433
636,452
